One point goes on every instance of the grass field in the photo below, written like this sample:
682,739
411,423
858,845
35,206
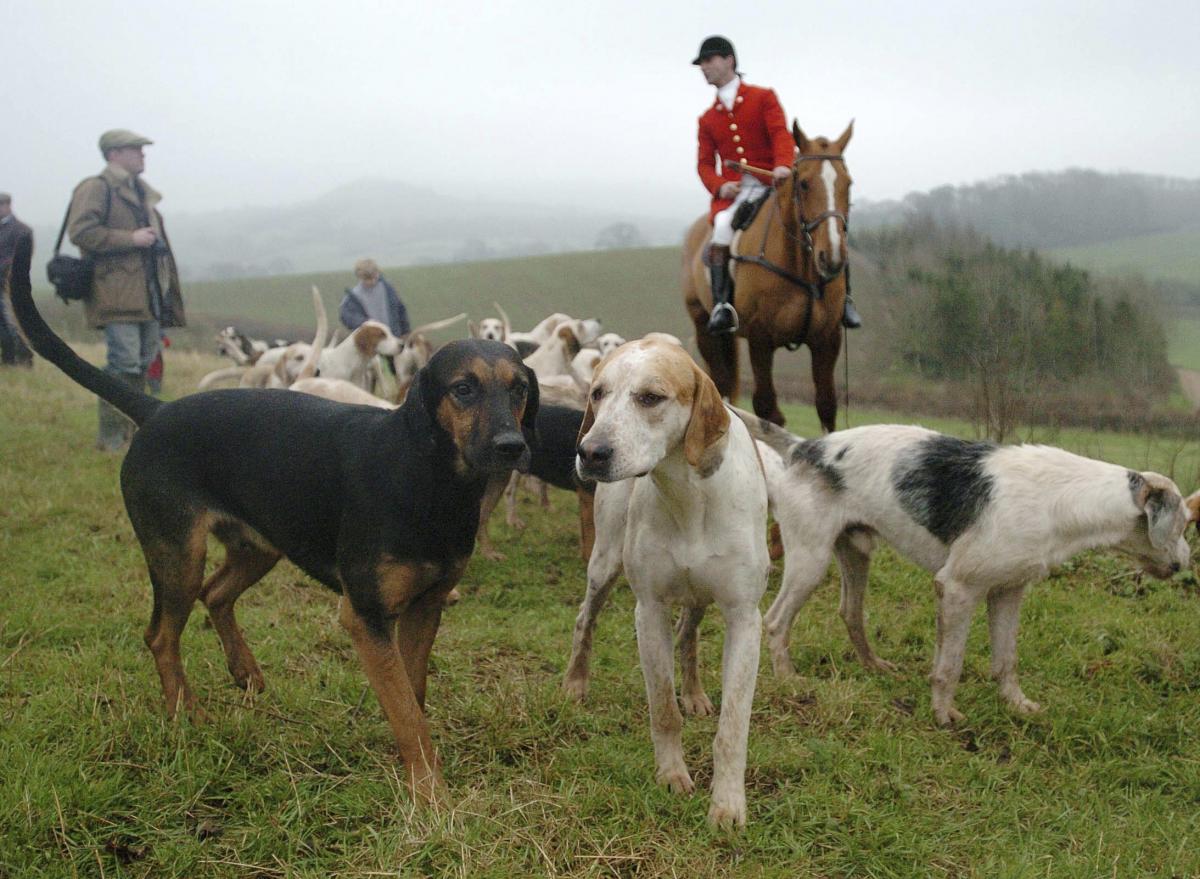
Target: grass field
631,291
1172,256
847,776
1183,342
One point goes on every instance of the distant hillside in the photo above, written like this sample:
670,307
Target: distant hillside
396,223
1170,256
1053,209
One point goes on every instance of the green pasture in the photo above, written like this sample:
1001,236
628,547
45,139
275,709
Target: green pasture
1183,341
1170,256
630,291
847,775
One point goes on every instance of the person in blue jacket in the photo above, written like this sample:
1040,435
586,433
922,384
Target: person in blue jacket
373,298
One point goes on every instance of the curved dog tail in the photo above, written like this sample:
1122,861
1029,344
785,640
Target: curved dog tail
772,434
308,368
41,338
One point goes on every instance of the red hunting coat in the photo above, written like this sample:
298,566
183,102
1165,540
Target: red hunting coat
755,132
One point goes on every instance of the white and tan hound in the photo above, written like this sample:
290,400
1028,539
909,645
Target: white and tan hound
681,507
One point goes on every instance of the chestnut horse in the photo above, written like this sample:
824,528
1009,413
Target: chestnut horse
791,279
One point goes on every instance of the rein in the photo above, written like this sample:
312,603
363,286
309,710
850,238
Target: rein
814,290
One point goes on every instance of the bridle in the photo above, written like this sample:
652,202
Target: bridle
807,227
804,240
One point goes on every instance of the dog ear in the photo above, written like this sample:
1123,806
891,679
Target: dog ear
570,340
708,424
532,401
589,418
472,329
367,339
420,408
1192,502
1160,503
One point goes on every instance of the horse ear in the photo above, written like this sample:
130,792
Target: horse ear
839,145
798,136
708,424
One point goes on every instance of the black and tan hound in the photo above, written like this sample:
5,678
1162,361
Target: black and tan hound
380,506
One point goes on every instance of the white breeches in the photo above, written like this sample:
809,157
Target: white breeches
752,187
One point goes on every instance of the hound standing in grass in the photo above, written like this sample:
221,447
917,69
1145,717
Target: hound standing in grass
986,520
681,506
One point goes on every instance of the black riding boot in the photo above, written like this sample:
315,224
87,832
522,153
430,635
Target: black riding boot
723,318
850,317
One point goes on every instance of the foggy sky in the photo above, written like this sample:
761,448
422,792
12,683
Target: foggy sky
258,103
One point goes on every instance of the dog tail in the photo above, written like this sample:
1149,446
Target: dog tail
309,368
219,375
772,434
41,338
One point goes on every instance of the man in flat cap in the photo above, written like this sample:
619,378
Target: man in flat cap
13,351
135,286
744,124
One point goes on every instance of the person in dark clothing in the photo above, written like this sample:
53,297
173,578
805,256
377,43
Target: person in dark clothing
373,298
13,351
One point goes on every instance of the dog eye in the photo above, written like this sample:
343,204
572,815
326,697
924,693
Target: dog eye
518,391
597,395
649,399
804,186
463,389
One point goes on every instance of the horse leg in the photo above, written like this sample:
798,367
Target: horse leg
762,356
824,359
719,352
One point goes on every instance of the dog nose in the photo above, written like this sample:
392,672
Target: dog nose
595,454
1176,567
509,445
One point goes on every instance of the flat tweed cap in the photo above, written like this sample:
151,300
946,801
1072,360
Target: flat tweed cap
122,137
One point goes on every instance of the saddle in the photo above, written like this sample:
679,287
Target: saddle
748,210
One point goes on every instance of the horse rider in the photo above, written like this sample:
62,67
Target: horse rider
745,124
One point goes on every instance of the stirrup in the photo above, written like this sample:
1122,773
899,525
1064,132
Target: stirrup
720,329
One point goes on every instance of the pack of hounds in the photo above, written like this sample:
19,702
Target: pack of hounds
380,491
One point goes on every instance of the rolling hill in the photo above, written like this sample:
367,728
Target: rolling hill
1168,256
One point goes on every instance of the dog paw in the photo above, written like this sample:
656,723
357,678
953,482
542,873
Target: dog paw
452,597
727,814
576,687
428,788
949,716
1024,705
882,665
697,704
492,555
676,780
250,680
781,663
518,523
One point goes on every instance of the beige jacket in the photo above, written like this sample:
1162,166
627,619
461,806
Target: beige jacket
120,290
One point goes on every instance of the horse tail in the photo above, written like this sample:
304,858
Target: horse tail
41,338
772,434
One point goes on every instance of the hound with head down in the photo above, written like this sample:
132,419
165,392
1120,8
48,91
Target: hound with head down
986,520
681,507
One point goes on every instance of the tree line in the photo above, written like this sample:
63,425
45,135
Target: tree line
1021,332
1051,209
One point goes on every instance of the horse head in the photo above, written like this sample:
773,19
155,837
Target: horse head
821,198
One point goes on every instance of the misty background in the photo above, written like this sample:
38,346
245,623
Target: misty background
299,136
